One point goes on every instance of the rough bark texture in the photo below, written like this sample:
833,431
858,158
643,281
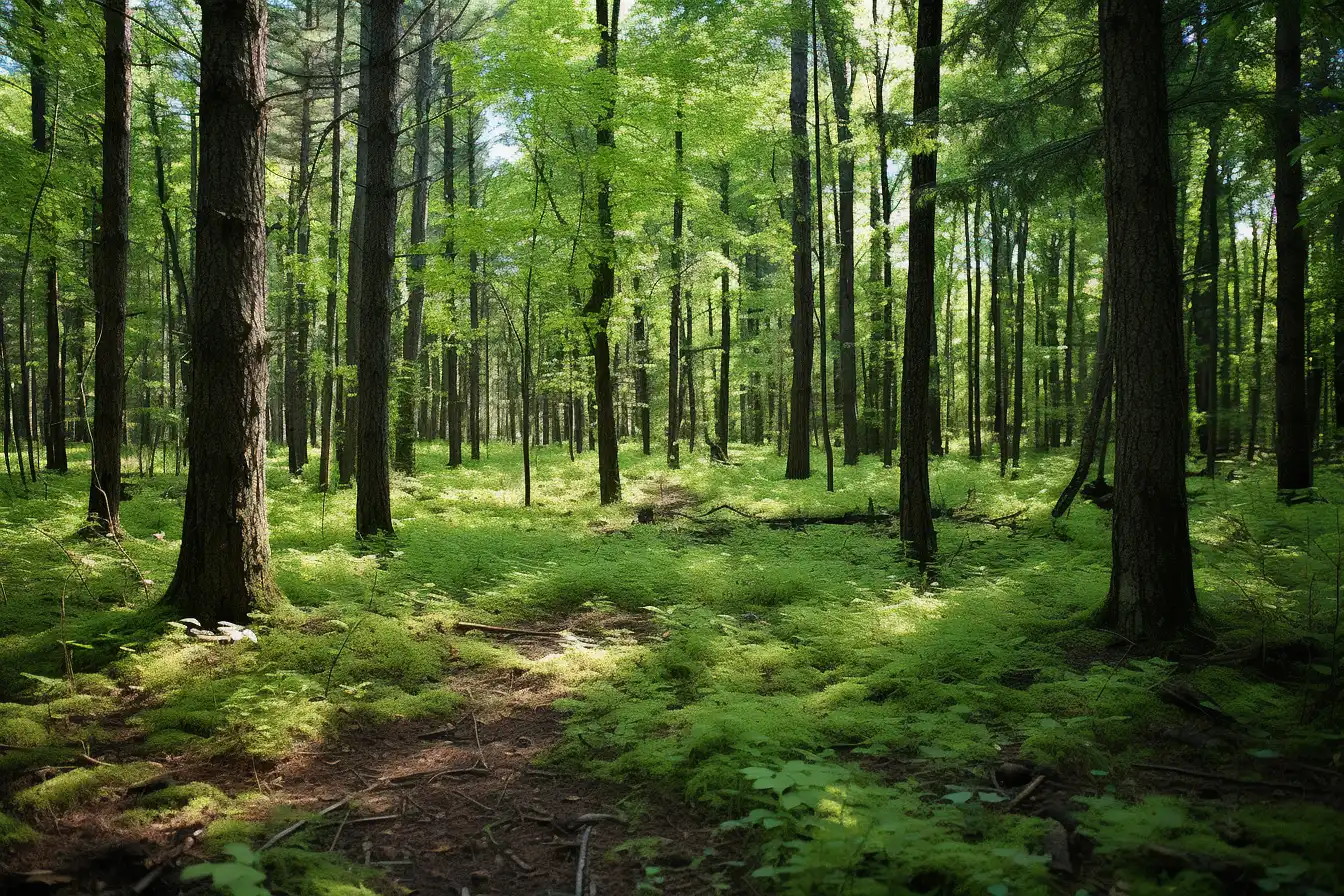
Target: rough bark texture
111,262
801,338
1290,378
333,253
373,507
223,569
1152,592
598,310
916,508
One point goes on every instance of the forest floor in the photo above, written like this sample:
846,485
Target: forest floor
566,700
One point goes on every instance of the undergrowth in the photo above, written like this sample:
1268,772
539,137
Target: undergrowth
804,686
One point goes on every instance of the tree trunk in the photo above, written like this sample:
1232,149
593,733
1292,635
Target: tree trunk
725,324
296,397
598,309
111,263
1019,331
1290,356
347,450
451,374
474,303
373,508
1069,311
801,339
223,568
674,326
1204,309
332,346
916,508
1152,592
54,432
408,386
821,258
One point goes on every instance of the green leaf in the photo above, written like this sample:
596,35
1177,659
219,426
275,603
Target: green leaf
961,796
997,890
1265,754
989,796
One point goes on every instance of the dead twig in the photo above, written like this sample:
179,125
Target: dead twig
1025,792
502,630
1214,776
301,822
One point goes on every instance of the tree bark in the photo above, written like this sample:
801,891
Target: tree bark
1204,309
1152,594
408,386
674,327
725,323
373,508
451,374
112,264
1290,356
223,569
329,381
916,507
801,339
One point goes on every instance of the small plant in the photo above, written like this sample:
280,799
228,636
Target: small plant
241,876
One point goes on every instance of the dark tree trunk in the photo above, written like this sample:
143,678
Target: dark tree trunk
916,508
674,326
801,339
373,508
996,327
1204,309
223,569
1290,356
598,310
329,381
1260,276
821,258
474,301
725,324
642,370
1069,311
347,449
296,386
408,385
1019,331
1152,592
841,88
972,366
451,374
53,435
111,264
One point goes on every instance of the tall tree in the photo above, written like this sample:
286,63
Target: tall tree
408,391
1152,592
373,507
1290,356
451,376
111,263
223,570
674,326
597,312
329,382
1204,308
801,338
916,507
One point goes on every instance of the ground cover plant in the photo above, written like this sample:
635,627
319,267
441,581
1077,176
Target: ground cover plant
740,706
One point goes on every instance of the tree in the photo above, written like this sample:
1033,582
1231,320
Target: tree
1152,592
799,464
373,507
916,508
598,309
111,263
223,570
1290,379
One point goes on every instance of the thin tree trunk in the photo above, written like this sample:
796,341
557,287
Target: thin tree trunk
112,261
821,256
1204,307
674,326
347,449
916,507
1290,381
801,338
329,381
725,324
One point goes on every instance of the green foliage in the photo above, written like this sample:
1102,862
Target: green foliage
14,832
241,876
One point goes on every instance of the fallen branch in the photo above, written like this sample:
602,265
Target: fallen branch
502,630
1026,792
1214,776
301,822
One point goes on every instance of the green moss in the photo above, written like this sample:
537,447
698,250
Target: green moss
70,789
14,832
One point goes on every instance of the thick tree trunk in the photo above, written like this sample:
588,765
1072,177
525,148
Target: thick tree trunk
1152,592
111,265
223,569
373,508
408,385
801,339
1290,356
916,507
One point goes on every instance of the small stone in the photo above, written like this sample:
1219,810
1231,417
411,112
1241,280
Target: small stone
1013,774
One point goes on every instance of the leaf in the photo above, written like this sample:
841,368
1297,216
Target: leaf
989,796
1265,754
960,797
997,890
